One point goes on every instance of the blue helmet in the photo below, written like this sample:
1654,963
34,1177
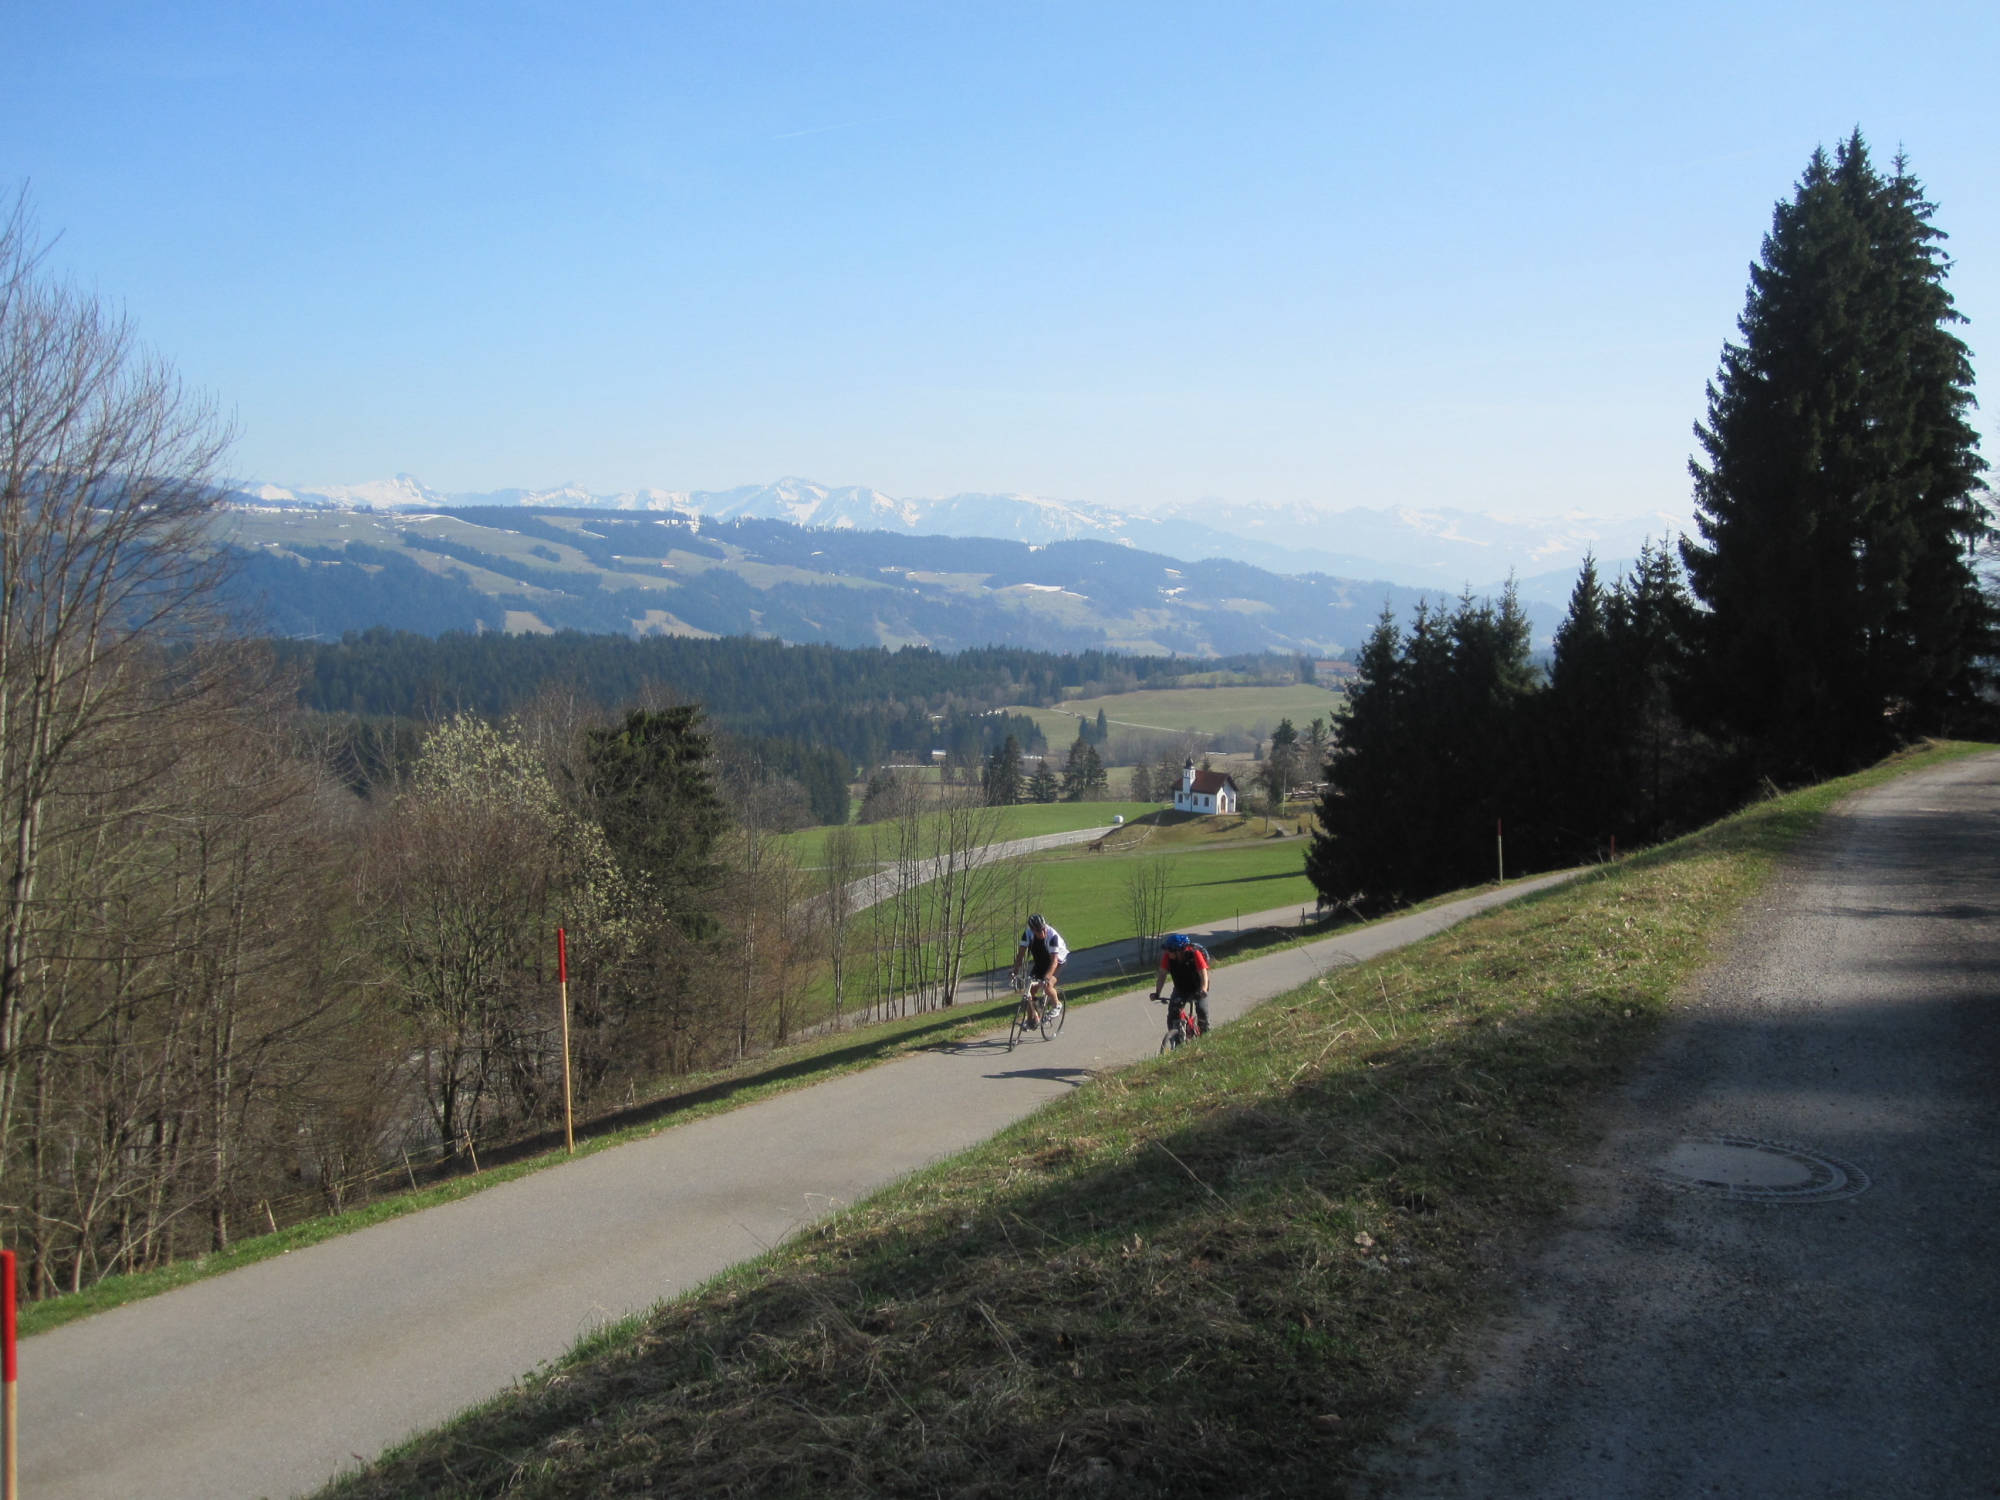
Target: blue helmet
1174,942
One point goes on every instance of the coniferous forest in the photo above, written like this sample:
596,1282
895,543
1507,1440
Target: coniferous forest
1828,610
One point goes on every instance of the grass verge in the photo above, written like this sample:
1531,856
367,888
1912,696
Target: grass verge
1219,1273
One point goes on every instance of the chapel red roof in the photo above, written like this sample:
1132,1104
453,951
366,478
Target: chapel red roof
1211,782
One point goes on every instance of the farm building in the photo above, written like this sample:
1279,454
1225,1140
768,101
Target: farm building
1205,791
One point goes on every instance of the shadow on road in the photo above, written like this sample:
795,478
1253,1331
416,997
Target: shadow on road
1074,1077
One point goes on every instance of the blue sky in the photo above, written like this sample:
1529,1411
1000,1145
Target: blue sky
1136,254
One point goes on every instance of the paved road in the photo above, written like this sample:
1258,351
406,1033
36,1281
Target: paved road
1779,1335
270,1380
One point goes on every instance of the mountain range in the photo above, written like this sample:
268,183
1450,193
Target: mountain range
322,571
1442,550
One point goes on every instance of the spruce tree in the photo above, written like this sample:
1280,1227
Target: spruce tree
650,782
1669,775
1942,626
1839,502
1586,717
1076,773
1430,752
1356,851
1096,781
1003,774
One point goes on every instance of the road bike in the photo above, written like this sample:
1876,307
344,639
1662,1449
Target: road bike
1051,1012
1182,1023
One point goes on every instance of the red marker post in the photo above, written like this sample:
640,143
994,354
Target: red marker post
562,988
9,1411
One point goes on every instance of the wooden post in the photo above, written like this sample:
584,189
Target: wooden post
1500,848
562,989
472,1151
10,1476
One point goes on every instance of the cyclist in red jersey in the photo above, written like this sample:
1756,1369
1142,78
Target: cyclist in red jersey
1184,961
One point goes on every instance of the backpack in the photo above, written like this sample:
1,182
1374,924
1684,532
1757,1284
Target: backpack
1183,970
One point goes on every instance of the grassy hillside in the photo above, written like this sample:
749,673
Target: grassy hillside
1221,1273
1152,720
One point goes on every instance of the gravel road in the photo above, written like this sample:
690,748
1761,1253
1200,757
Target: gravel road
1718,1317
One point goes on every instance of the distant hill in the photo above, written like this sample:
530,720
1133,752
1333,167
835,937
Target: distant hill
1442,548
319,572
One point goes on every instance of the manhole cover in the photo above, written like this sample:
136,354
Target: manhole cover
1734,1166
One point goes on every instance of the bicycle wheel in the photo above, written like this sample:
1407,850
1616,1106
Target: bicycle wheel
1048,1022
1170,1041
1061,1011
1015,1027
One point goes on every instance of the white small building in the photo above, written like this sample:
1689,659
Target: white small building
1212,792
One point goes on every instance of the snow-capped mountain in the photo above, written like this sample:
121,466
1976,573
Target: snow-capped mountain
1443,549
404,492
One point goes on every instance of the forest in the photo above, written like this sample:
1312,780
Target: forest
1830,609
823,716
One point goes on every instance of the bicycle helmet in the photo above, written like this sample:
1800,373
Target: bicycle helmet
1175,941
1035,923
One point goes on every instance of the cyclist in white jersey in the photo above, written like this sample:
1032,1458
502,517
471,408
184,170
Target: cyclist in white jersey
1044,949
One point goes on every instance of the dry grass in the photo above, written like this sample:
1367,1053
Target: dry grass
1218,1274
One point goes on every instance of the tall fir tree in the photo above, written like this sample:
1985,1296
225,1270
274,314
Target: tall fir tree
1943,627
1096,780
1076,768
1003,774
650,783
1839,504
1670,775
1585,716
1355,851
1430,752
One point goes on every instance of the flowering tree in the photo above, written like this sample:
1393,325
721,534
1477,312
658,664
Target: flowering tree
477,864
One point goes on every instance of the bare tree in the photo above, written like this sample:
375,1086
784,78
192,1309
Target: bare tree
1150,903
772,931
840,868
106,463
966,885
182,1000
909,951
